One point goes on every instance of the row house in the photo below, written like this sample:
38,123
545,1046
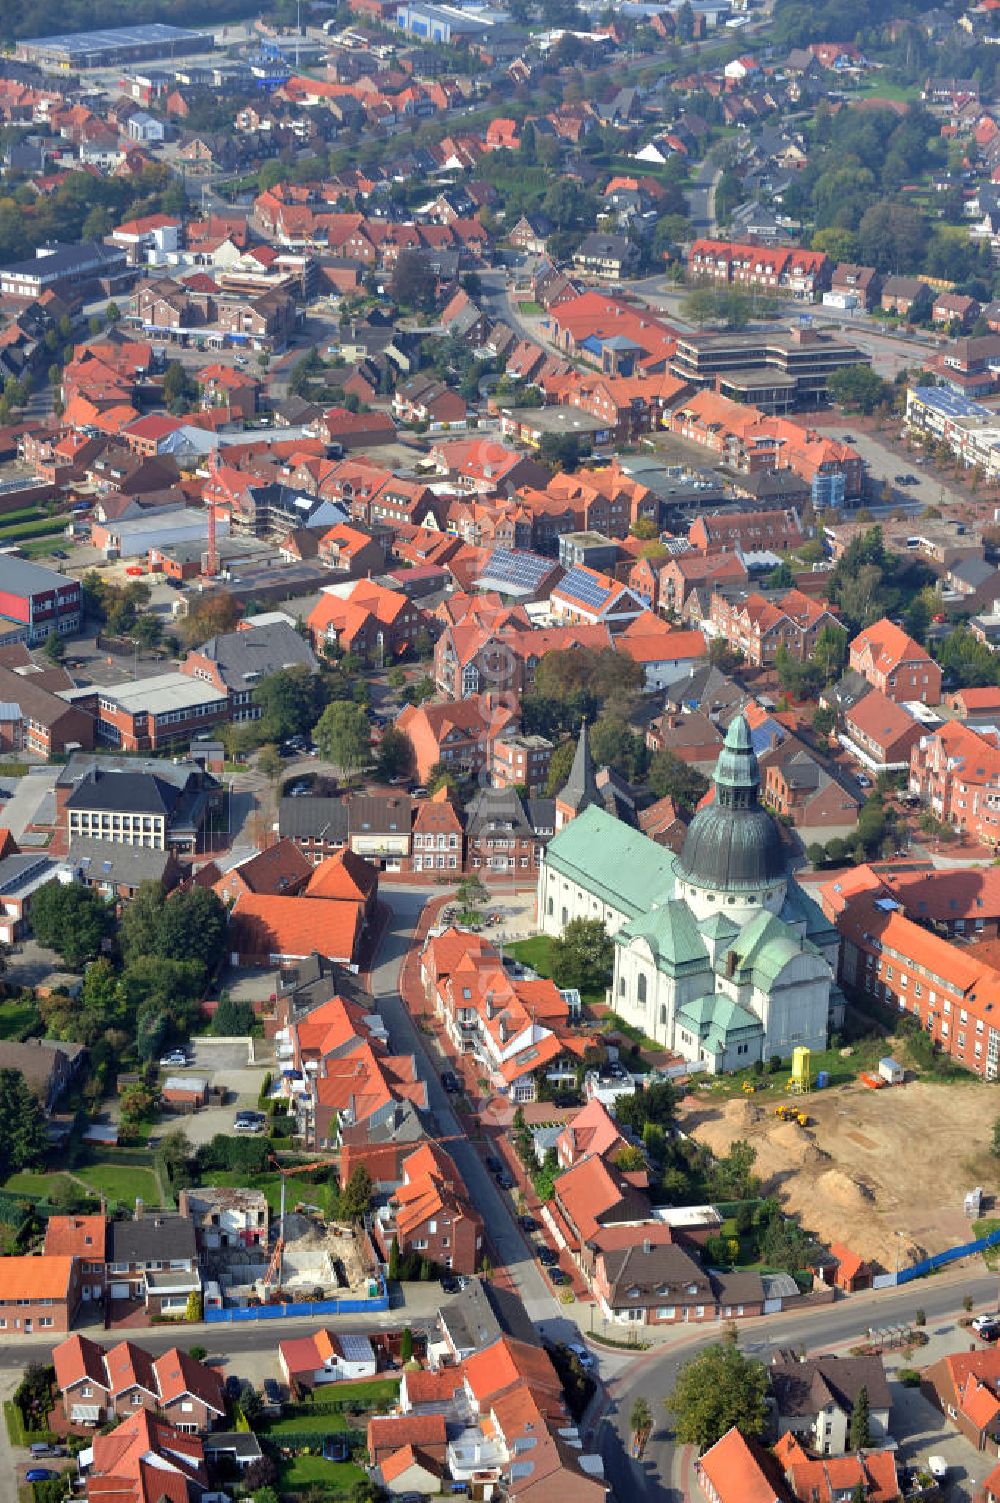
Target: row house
955,772
344,1074
99,1385
516,1030
759,625
748,532
792,269
153,1262
475,659
430,1214
895,664
905,968
880,733
424,400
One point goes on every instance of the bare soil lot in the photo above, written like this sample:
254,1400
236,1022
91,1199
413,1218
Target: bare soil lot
871,1163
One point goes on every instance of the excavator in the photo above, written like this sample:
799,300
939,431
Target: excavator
791,1114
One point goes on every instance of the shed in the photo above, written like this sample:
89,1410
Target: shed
185,1092
891,1070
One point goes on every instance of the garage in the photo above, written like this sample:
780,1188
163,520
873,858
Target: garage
120,1291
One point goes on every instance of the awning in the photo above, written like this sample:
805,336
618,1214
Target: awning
85,1414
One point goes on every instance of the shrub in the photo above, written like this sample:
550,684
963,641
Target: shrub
909,1377
920,1318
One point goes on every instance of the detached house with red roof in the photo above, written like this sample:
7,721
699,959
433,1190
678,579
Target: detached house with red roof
146,1458
431,1215
737,1470
967,1386
325,1357
373,622
39,1294
894,663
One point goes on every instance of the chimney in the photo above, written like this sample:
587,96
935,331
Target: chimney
647,1246
731,959
139,1207
183,1207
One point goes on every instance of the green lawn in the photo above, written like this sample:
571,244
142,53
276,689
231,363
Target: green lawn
879,88
308,1424
366,1392
991,1255
337,1478
27,1182
16,1018
122,1182
530,308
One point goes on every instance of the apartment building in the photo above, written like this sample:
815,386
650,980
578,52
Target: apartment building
895,664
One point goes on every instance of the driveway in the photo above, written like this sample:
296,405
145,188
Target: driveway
225,1064
884,465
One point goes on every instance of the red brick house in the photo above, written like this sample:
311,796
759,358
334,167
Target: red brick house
281,869
438,835
98,1385
881,732
967,1387
84,1238
39,1294
430,1213
894,663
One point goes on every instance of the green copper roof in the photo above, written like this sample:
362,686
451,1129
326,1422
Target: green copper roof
619,865
715,1019
765,947
732,844
671,933
718,927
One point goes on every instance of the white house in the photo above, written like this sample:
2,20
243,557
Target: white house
326,1357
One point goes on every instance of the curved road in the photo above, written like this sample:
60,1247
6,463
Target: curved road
658,1475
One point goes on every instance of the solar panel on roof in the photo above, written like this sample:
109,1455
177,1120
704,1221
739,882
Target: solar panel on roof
585,588
512,566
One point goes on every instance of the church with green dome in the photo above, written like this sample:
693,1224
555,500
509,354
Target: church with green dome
720,956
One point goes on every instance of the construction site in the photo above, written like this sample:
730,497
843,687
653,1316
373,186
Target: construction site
313,1259
884,1171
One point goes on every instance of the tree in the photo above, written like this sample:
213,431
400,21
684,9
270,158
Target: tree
656,1105
472,892
583,956
857,387
823,721
715,1390
559,767
24,1139
640,1417
72,919
290,702
413,281
180,390
560,450
732,1177
355,1196
669,777
232,1019
343,735
135,1104
859,1434
55,647
269,762
396,757
190,927
393,1264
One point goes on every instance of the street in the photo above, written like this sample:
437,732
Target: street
659,1474
504,1235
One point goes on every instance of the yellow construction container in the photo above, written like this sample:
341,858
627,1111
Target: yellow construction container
801,1077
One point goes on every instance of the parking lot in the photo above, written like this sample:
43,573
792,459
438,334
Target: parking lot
224,1064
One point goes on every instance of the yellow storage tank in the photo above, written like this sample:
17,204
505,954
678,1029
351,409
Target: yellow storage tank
801,1078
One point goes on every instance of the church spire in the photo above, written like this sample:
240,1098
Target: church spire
580,788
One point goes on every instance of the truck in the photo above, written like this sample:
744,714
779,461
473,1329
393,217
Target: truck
891,1070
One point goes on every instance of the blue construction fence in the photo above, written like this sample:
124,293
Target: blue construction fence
303,1307
939,1260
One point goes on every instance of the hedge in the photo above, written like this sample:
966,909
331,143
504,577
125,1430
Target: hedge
19,1436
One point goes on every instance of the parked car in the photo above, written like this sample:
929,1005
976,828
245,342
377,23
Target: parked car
505,1179
40,1474
557,1277
583,1354
450,1082
547,1257
992,1319
450,1284
493,1164
936,1465
175,1057
249,1122
233,1387
272,1391
528,1223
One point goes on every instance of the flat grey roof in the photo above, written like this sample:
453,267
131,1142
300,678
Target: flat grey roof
79,43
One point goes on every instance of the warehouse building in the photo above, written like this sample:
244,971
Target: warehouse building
122,44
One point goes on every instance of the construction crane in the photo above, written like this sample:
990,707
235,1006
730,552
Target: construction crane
272,1278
